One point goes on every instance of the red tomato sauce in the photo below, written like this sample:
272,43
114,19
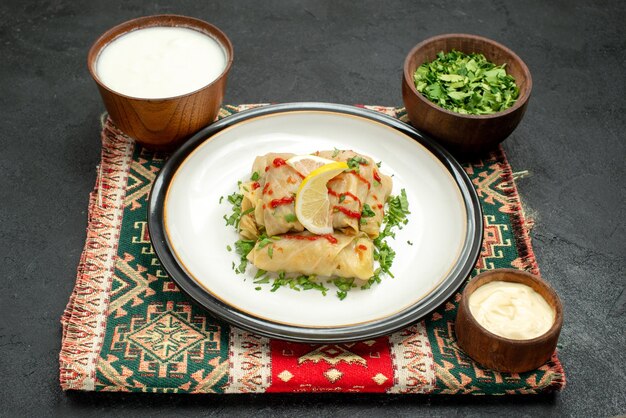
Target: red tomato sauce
278,162
282,201
338,195
349,213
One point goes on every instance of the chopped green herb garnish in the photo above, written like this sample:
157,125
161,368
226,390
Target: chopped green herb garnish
355,163
262,280
221,198
270,251
343,283
367,211
279,281
384,254
372,280
378,164
264,240
308,283
376,183
258,288
243,248
255,176
291,217
396,216
342,198
409,242
466,83
298,283
229,248
235,200
335,152
259,273
398,209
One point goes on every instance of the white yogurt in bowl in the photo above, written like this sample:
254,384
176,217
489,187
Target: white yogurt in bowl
160,62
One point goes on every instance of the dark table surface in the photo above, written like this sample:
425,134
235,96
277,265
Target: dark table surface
571,141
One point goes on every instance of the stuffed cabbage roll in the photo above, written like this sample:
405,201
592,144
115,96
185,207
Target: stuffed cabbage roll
376,198
252,202
279,194
336,255
348,191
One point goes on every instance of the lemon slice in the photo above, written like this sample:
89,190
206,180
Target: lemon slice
312,203
306,164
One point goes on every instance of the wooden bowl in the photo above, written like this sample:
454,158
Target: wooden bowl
165,122
504,354
459,133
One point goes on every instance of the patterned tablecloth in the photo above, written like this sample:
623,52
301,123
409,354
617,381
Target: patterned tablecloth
127,327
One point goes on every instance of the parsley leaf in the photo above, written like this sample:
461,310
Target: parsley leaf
265,240
243,248
372,280
298,283
235,200
344,285
367,211
355,162
255,176
395,217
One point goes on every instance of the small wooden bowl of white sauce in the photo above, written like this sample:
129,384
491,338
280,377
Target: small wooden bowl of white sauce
162,78
509,320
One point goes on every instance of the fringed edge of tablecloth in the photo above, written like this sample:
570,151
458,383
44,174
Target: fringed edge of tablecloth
84,318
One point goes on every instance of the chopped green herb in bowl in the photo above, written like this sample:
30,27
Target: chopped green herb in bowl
466,92
466,83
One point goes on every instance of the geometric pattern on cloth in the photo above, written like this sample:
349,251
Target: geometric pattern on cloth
127,327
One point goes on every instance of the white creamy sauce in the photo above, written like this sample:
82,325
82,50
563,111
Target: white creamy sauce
511,310
160,62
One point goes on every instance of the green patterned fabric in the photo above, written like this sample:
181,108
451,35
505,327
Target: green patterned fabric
128,327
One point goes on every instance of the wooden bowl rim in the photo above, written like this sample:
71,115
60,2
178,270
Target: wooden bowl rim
157,21
408,78
557,305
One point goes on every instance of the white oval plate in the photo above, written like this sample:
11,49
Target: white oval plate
441,235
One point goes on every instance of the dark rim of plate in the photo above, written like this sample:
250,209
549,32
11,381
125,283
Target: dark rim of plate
455,278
